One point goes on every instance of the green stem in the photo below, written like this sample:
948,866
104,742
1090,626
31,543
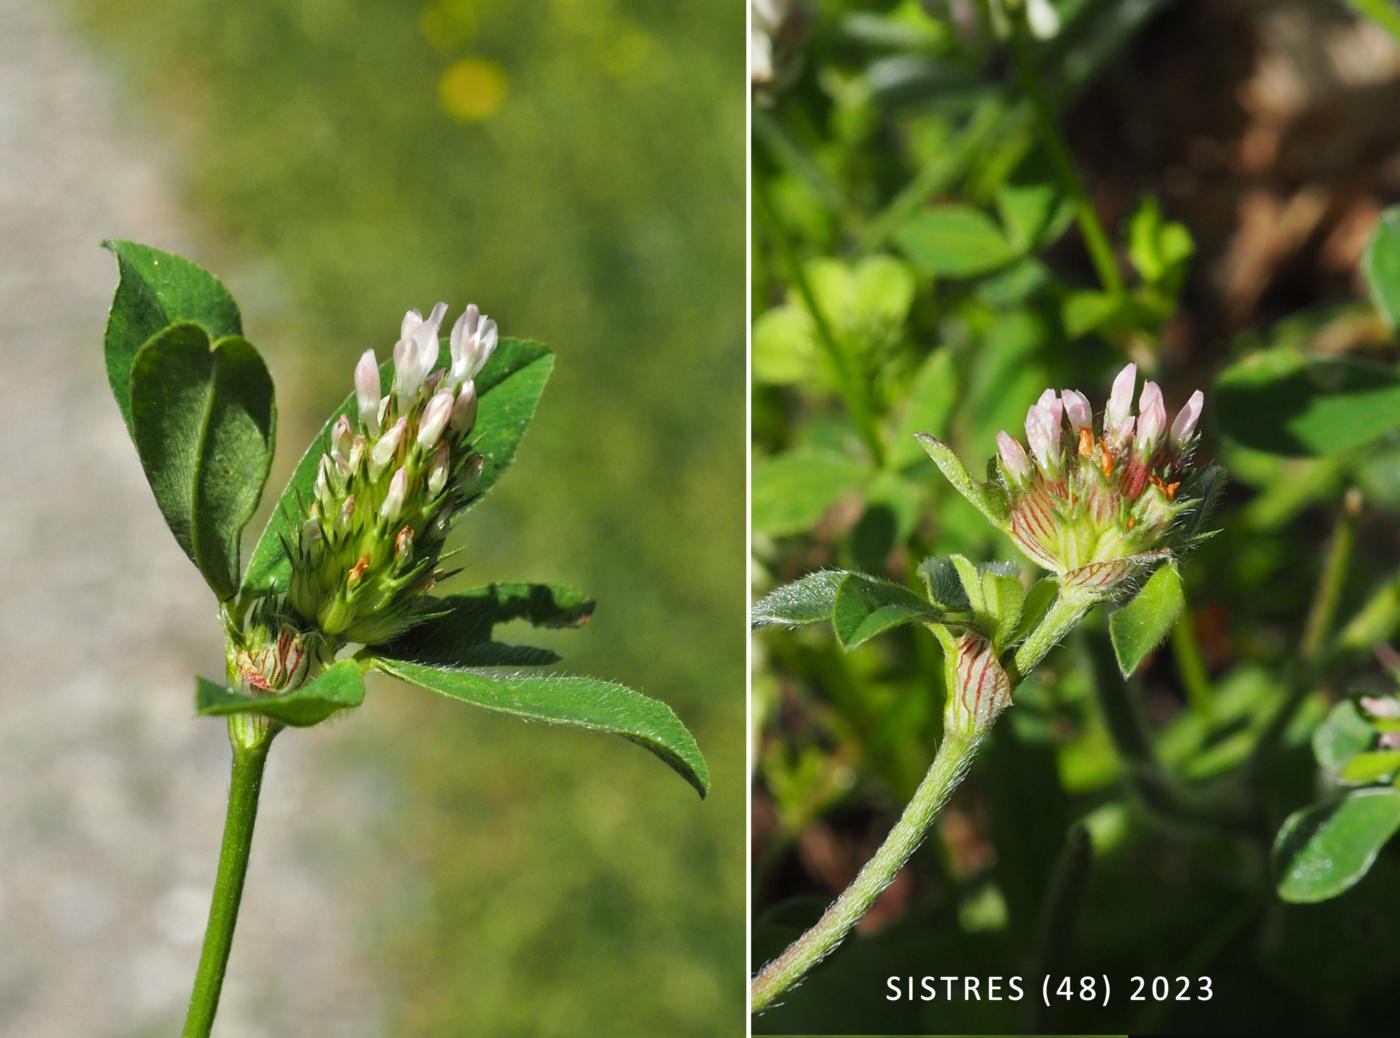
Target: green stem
852,388
1331,580
938,174
1095,238
1069,608
1190,665
950,764
250,737
1313,647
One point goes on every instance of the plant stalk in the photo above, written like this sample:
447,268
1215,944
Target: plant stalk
854,389
251,738
1314,647
949,765
1095,238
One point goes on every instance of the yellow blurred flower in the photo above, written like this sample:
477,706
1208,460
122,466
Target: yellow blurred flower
472,89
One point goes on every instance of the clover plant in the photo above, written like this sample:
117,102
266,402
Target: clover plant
345,577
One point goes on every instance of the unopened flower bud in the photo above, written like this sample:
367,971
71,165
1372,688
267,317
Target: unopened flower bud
1077,410
323,481
393,501
1013,458
341,436
1043,434
473,340
357,454
347,512
434,420
418,355
1120,405
464,409
1185,425
382,453
403,548
367,391
310,533
437,472
472,470
1152,419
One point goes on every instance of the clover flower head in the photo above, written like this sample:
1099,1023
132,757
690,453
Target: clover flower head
396,468
1086,502
1092,501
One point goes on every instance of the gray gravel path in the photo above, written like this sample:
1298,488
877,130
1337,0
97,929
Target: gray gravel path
110,792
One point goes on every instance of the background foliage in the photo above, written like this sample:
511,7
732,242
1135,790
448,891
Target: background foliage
950,215
576,168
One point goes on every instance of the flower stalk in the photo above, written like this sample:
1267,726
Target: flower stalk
364,559
1095,503
251,741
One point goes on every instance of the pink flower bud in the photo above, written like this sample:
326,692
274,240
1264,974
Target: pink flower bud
416,354
1120,404
347,512
434,420
367,391
410,324
464,409
323,479
437,472
1077,409
473,340
1013,458
340,441
1043,434
393,501
1185,425
1152,418
1054,408
383,451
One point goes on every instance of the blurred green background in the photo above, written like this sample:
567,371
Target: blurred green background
575,167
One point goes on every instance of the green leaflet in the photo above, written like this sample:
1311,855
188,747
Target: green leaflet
509,387
987,498
793,491
155,290
1290,403
1142,624
866,606
461,635
342,686
1324,850
203,420
1380,263
954,241
805,601
580,702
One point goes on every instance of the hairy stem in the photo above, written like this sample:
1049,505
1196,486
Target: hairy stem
251,738
1069,608
949,766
